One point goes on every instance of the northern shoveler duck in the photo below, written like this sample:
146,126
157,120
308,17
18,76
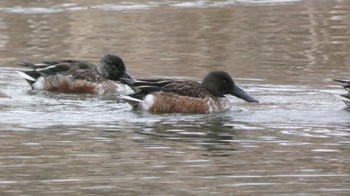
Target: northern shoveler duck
75,76
346,86
4,95
175,96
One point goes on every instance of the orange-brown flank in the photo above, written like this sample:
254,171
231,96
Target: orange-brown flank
65,85
172,103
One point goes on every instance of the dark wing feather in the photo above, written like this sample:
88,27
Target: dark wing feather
183,88
86,74
80,64
47,71
154,82
346,96
32,65
342,81
345,84
186,88
76,68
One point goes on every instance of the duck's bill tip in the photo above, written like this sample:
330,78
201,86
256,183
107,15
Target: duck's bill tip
238,92
250,99
256,101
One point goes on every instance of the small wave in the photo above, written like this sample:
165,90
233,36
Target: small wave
208,4
139,6
31,10
121,7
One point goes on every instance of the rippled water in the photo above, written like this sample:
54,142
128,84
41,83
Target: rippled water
283,52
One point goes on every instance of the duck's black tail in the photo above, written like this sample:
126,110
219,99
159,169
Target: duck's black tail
345,84
141,89
45,69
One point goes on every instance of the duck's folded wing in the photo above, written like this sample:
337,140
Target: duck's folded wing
79,63
179,87
186,88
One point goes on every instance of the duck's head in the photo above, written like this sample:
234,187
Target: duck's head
112,67
220,83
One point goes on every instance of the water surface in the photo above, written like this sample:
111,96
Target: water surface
283,52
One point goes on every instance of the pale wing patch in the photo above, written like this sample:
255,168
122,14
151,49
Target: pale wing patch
26,76
128,98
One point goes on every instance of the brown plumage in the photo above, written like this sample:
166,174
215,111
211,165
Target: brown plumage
174,96
74,76
165,102
63,84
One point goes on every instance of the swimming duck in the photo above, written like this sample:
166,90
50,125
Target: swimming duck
177,96
346,86
75,76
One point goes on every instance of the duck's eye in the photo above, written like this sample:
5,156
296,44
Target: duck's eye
224,81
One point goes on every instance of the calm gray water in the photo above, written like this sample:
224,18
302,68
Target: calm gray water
283,52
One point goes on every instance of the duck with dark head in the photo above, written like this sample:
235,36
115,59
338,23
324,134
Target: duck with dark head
76,76
178,96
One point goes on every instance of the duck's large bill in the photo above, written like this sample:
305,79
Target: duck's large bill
238,92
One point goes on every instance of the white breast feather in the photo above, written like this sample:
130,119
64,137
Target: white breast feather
148,102
39,84
124,89
218,105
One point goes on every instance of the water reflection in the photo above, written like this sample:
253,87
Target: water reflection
210,132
